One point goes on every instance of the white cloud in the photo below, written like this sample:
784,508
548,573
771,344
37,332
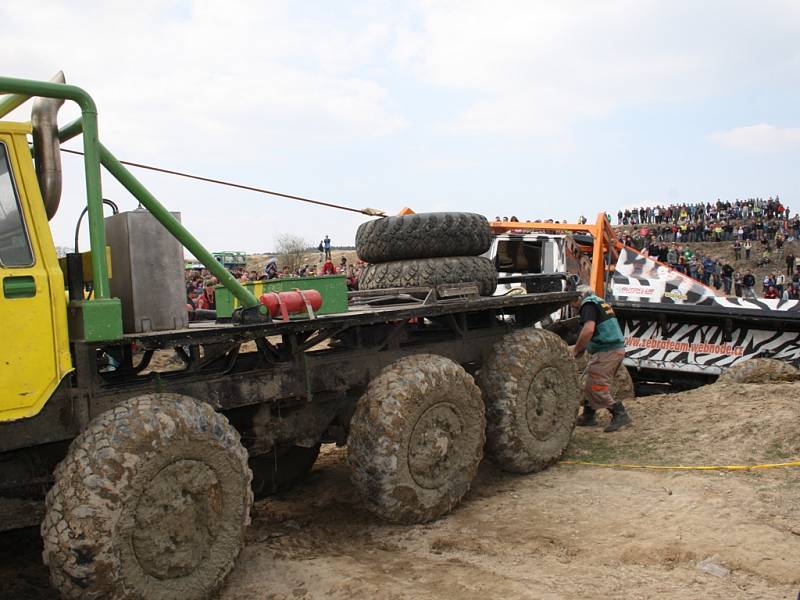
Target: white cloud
539,68
210,70
759,138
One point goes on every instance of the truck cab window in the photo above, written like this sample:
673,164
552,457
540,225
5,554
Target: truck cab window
519,256
15,249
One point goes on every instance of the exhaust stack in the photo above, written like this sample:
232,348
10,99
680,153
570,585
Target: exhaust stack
47,149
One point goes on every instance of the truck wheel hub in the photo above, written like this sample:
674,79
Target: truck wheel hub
177,519
431,452
543,403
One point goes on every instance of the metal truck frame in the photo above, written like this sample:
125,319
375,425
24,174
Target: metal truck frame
149,472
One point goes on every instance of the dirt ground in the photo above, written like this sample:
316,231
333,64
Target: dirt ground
570,532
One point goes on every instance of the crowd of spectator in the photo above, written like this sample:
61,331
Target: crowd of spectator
752,219
201,284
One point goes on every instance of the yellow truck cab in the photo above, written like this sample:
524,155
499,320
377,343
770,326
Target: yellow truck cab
33,306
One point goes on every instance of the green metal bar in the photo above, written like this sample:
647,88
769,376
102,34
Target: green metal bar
10,102
70,130
91,163
135,187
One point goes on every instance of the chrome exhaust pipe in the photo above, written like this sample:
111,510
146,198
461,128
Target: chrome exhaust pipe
47,149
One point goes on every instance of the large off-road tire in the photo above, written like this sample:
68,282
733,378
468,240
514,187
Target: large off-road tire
530,387
151,503
279,470
622,386
430,272
760,370
416,439
423,235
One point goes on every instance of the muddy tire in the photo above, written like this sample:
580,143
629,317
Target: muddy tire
760,370
416,439
532,395
279,470
151,502
430,272
424,235
622,386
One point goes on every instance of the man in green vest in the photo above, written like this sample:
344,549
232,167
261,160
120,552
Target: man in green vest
602,336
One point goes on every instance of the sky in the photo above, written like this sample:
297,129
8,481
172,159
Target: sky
533,109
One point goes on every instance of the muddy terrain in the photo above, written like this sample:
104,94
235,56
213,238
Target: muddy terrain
572,531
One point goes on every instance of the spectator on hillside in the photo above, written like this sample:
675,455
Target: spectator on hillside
771,293
748,285
207,300
790,264
737,283
709,269
737,250
768,282
765,257
780,281
727,278
328,268
191,298
672,257
271,268
321,250
343,264
747,247
352,279
327,245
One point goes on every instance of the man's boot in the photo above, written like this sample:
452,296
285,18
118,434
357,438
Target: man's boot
588,418
619,417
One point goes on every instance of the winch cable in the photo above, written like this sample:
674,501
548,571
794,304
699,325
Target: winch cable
364,211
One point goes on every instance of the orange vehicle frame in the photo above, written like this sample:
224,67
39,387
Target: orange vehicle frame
604,251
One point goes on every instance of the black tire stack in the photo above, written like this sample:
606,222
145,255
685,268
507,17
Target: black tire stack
426,250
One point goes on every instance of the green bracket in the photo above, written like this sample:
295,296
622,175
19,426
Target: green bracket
95,320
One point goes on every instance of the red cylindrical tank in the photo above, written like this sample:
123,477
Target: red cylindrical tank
286,303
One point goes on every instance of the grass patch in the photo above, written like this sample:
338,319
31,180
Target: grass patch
777,452
602,448
591,448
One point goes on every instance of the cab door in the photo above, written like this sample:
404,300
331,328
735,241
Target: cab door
34,352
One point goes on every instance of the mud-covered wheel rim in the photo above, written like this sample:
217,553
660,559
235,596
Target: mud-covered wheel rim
433,445
177,519
542,402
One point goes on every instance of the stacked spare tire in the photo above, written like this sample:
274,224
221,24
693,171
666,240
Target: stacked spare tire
426,250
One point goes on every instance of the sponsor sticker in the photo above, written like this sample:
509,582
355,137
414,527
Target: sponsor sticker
635,290
676,295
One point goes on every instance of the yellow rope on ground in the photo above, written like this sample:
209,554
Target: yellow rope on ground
681,467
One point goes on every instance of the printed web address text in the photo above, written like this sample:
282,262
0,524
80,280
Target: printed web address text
728,349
